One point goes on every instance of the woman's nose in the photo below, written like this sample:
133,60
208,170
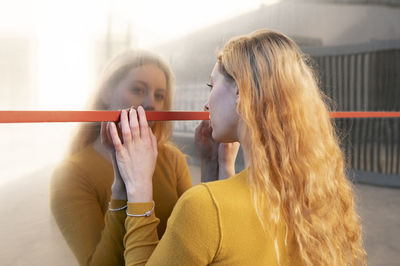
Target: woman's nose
148,103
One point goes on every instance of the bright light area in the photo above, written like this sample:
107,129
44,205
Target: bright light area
65,34
64,59
156,21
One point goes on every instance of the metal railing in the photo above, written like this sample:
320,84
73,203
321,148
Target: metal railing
361,78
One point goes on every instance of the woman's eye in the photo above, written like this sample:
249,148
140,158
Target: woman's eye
159,97
209,85
137,91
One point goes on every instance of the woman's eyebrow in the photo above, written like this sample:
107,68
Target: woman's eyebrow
140,81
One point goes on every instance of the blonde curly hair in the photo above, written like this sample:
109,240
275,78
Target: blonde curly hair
297,170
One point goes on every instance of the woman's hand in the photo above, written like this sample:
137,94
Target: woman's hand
118,189
207,148
136,154
217,159
105,137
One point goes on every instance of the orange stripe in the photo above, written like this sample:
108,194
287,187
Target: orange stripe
97,116
364,114
91,116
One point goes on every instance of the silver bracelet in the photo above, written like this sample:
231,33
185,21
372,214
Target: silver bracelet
117,209
146,214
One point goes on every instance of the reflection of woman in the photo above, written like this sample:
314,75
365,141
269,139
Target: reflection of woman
82,185
292,205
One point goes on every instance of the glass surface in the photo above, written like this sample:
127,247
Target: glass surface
52,54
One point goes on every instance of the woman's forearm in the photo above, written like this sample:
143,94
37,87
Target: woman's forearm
118,188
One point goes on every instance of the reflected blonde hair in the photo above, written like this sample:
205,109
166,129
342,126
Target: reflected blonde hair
297,169
113,73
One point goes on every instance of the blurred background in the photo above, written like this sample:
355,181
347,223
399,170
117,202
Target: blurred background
52,54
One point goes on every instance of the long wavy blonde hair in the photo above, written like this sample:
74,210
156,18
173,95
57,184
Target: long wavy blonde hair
112,74
297,170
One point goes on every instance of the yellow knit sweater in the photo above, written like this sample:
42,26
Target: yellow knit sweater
212,224
81,190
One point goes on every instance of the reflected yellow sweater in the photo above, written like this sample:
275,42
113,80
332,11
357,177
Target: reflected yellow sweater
212,224
80,192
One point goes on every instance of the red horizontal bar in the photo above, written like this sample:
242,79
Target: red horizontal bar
364,114
98,116
92,116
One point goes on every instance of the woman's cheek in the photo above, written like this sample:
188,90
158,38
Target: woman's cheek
160,106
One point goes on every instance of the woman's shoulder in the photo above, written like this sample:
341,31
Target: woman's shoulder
170,154
195,192
231,191
78,156
218,191
196,201
169,149
81,164
71,165
236,182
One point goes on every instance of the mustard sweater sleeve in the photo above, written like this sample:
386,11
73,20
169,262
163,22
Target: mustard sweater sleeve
95,239
193,234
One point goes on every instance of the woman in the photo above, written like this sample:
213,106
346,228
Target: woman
292,205
83,185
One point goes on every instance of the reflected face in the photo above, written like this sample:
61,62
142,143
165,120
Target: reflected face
144,85
222,104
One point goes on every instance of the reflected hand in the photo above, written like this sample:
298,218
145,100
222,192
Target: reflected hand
207,148
105,137
136,154
118,189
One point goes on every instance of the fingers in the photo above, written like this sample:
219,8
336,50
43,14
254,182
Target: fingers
206,130
126,131
105,136
197,131
115,138
153,141
205,124
134,128
103,131
144,126
107,133
203,127
134,125
203,133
